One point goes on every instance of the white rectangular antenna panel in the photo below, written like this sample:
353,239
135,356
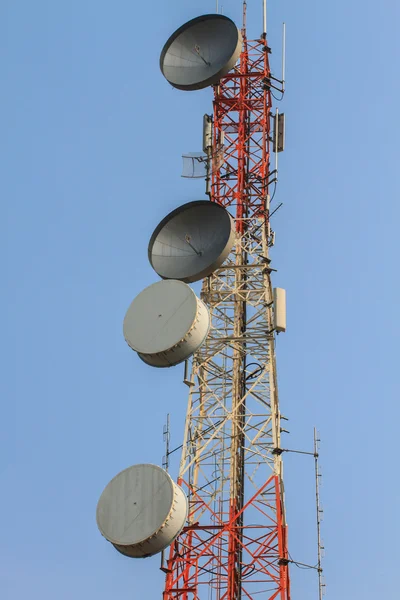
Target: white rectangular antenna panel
279,310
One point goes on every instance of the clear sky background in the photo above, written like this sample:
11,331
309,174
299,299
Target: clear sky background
90,161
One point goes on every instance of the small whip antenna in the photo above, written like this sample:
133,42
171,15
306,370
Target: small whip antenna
265,18
166,436
321,584
283,56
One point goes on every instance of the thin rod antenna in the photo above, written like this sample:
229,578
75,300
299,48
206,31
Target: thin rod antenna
208,172
283,55
244,14
265,18
317,477
216,6
166,436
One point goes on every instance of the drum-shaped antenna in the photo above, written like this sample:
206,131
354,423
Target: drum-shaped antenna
192,241
166,323
141,511
200,52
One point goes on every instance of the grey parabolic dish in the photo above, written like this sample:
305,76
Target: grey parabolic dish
135,504
166,323
141,511
200,52
160,316
192,241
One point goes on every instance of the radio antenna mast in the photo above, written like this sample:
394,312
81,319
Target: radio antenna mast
321,584
234,545
221,528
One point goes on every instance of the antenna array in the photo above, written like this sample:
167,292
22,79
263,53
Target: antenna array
221,528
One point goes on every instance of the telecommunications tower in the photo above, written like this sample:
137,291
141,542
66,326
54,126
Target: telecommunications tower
222,526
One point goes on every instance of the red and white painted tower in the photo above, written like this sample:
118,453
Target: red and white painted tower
234,544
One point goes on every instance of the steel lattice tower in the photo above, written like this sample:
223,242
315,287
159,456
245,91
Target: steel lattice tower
235,543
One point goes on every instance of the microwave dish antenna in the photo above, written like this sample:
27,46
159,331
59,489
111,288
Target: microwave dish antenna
141,511
166,323
200,52
192,241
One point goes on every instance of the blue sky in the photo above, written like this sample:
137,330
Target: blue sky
92,138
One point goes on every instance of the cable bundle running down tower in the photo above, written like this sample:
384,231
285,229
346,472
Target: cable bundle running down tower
224,520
